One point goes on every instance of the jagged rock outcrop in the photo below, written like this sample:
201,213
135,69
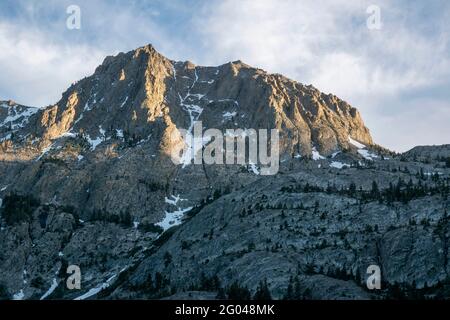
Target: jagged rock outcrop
141,99
142,92
89,181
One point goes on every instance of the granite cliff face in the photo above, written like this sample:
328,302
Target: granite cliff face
142,92
124,116
89,181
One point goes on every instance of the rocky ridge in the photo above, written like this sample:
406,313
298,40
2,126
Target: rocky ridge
88,181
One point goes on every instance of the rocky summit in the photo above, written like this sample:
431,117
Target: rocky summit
89,182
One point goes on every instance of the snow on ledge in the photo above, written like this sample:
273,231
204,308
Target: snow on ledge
356,143
173,218
338,165
254,168
316,155
19,296
50,290
362,149
173,199
366,154
96,290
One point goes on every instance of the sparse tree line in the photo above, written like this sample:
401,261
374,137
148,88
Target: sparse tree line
400,191
158,286
18,208
123,218
429,159
129,139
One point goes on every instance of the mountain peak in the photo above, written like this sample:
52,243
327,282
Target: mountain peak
88,181
144,94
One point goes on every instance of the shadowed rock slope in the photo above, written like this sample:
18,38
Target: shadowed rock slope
88,181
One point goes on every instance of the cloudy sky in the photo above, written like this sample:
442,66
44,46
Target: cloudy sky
397,75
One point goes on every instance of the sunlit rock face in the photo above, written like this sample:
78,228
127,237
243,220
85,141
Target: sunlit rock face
98,165
142,92
129,111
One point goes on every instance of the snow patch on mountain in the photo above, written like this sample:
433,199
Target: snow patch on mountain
362,149
173,200
254,168
367,154
94,142
50,290
18,116
229,115
44,151
123,103
173,218
96,290
7,137
338,165
19,296
357,144
316,155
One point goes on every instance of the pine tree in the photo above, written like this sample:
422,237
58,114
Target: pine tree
316,207
294,291
126,219
422,175
236,292
221,294
262,292
289,291
352,189
167,259
4,294
375,192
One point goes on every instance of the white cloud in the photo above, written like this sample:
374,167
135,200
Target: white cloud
424,122
40,58
327,44
35,71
